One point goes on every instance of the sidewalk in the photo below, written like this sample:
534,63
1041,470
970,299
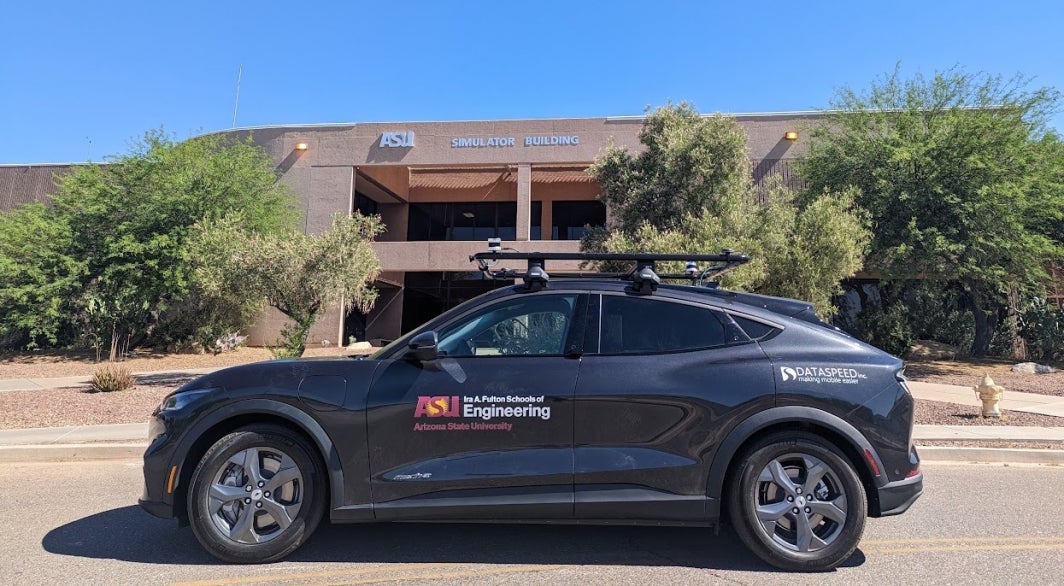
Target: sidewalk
130,440
36,384
1011,401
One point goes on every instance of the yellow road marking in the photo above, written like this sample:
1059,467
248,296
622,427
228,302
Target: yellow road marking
962,544
961,548
310,575
450,575
919,540
390,569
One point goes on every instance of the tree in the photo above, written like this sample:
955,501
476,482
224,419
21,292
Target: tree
112,264
692,191
956,171
691,163
298,274
36,276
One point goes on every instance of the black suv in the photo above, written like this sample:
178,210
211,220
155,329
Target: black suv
615,399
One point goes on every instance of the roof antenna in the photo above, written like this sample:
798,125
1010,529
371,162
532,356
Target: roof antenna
236,106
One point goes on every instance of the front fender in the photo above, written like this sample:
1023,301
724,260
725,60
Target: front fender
267,408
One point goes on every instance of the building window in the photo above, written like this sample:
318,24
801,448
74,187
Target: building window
570,218
536,229
469,221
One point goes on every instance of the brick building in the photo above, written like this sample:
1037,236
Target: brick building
442,189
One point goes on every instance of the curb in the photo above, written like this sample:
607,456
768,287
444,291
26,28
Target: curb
990,455
72,452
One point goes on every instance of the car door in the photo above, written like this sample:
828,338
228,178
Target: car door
486,429
659,382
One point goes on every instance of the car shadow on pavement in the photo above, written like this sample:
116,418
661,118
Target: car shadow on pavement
130,534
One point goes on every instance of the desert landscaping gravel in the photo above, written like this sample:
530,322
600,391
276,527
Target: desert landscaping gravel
938,413
78,406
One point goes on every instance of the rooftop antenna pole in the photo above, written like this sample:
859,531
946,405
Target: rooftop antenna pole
236,106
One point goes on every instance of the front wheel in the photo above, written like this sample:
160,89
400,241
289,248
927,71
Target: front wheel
797,502
256,495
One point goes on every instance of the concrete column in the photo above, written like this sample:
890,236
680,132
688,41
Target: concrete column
546,220
524,202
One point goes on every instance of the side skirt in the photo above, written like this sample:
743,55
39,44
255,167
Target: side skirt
592,505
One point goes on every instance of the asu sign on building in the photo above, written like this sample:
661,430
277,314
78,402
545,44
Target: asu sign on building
403,139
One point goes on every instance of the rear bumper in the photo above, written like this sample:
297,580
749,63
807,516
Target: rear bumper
896,497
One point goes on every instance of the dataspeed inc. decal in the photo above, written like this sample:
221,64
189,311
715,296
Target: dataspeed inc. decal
822,375
485,411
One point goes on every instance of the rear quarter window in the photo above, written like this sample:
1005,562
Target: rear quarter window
755,329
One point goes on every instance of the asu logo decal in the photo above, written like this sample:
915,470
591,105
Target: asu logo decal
442,406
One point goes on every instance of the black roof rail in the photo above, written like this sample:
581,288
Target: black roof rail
642,274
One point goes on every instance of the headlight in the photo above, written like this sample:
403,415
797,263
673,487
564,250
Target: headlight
181,399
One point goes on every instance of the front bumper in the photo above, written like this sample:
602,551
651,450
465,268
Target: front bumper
896,497
157,470
159,509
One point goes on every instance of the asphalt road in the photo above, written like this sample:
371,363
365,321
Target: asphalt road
975,524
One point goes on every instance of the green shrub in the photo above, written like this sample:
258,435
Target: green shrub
887,330
112,377
936,312
1042,328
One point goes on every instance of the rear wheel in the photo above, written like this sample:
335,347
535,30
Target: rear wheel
797,502
256,495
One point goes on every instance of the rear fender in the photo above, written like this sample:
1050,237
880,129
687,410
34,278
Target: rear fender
776,416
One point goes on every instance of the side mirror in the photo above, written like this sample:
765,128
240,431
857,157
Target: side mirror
423,346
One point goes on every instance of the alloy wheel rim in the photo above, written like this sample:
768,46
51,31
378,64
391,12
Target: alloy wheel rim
800,503
255,495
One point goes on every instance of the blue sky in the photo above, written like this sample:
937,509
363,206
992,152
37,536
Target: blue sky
80,80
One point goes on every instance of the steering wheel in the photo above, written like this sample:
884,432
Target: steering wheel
511,336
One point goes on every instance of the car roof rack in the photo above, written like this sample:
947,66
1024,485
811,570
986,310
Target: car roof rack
644,278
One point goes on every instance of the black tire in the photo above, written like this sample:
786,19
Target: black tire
827,527
256,495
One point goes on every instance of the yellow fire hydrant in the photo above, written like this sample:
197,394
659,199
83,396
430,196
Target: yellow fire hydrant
990,395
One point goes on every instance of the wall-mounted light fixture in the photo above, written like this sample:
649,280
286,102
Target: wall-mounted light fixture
791,135
301,146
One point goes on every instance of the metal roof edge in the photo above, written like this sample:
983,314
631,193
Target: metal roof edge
53,164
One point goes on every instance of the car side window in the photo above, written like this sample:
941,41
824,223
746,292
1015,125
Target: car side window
532,325
637,325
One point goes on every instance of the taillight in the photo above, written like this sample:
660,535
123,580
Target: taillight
914,463
872,462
